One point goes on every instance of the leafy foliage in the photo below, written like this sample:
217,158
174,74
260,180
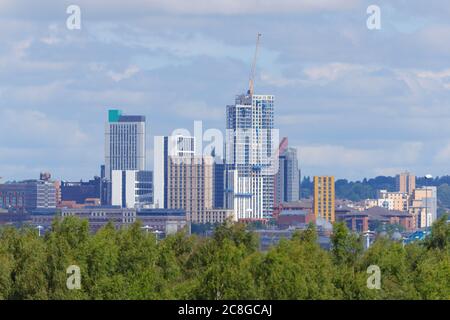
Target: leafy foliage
132,264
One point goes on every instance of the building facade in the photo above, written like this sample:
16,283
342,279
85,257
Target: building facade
324,198
165,221
287,179
190,186
79,191
28,195
164,148
219,183
214,216
250,144
162,221
405,182
131,189
393,200
124,142
424,206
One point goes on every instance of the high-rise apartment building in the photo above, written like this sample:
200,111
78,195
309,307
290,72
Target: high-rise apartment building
184,180
405,182
250,152
124,142
287,178
191,186
324,198
164,148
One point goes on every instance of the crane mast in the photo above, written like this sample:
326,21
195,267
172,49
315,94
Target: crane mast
251,85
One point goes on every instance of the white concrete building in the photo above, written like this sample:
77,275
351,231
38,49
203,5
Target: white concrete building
131,188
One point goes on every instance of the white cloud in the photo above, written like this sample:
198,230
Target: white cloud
37,130
332,159
443,155
251,6
194,7
280,81
434,74
127,73
197,110
334,71
185,60
20,48
33,94
320,74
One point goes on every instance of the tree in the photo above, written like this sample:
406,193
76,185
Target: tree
432,276
228,274
237,233
346,246
6,267
296,269
309,235
443,192
65,246
397,271
131,263
28,269
440,234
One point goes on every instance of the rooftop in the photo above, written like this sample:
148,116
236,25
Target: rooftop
117,116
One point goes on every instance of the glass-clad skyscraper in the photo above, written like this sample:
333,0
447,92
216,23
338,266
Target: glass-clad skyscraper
250,156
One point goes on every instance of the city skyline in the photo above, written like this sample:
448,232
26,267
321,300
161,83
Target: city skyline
379,97
235,151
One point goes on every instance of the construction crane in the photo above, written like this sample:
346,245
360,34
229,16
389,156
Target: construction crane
251,84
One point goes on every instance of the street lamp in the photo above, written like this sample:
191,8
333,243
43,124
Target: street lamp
148,229
367,235
157,234
39,230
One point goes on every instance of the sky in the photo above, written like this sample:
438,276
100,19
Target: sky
355,102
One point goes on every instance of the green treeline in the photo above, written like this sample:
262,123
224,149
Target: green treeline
132,264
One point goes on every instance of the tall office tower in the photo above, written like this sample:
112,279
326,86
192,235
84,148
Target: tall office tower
191,185
124,142
164,148
324,197
287,178
249,150
131,188
405,182
424,206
